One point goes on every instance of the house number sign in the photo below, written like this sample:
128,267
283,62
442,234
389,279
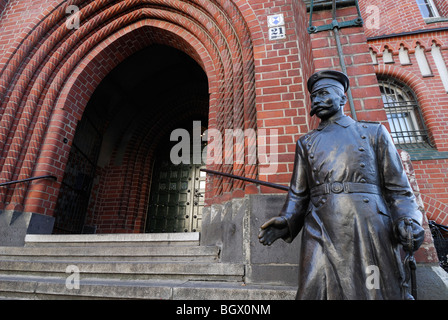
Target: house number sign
276,24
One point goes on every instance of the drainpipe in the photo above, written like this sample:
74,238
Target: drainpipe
341,59
335,26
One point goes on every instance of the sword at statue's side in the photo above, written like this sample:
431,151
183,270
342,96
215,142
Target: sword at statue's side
232,176
410,265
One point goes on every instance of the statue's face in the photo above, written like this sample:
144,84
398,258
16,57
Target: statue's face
327,101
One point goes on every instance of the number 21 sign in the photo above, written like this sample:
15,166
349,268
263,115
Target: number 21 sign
277,33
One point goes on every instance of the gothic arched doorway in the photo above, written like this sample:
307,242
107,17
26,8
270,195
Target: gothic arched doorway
117,142
67,65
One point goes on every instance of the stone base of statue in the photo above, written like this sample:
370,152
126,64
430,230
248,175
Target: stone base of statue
14,226
235,226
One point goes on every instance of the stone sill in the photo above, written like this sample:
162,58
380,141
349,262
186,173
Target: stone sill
435,20
425,154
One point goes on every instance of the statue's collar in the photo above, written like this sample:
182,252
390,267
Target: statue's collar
343,121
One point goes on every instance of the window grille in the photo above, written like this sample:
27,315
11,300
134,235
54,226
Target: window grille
408,129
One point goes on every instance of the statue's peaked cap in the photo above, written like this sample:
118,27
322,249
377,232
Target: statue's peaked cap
329,74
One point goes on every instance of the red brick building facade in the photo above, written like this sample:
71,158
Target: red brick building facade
429,34
137,70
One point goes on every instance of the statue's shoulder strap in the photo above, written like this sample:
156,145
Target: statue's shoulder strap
371,122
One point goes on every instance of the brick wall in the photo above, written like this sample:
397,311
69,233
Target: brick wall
432,178
3,4
427,252
430,92
442,7
392,17
365,91
281,70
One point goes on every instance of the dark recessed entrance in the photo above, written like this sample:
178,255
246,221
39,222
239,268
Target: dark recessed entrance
119,168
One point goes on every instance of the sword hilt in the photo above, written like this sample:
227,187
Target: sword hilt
409,261
409,247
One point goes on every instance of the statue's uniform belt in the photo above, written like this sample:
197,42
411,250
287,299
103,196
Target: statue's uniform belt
344,187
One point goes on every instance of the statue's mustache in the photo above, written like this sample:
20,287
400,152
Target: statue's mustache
317,107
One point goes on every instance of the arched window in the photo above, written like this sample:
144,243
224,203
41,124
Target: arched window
408,129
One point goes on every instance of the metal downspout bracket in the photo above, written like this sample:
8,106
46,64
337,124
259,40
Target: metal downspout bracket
335,26
357,22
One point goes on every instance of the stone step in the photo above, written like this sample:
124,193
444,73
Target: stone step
111,254
125,266
29,287
126,270
111,240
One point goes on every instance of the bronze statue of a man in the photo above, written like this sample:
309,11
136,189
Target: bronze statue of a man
351,199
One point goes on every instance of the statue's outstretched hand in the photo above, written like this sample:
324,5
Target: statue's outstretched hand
272,230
